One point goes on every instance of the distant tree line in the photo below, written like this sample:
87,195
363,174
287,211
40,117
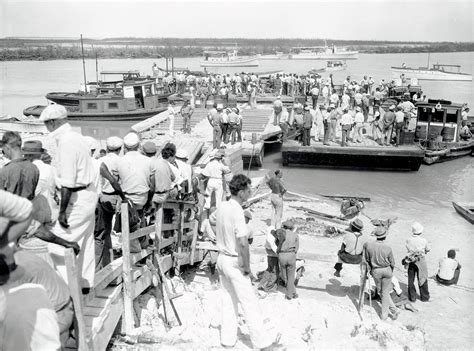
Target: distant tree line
52,49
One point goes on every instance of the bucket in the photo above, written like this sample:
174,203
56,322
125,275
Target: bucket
448,133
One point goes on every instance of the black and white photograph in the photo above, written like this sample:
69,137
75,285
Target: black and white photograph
236,174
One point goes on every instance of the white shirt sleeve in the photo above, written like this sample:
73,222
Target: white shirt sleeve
240,225
14,207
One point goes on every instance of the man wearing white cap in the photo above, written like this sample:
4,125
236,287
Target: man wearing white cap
108,200
215,170
171,116
417,248
76,175
359,123
135,171
277,110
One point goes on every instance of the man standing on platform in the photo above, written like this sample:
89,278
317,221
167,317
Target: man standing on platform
171,117
307,124
314,96
277,110
186,112
76,175
233,264
278,190
214,120
346,124
399,123
108,200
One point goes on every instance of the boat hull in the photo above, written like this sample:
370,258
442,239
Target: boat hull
427,74
353,55
250,62
466,210
139,115
432,157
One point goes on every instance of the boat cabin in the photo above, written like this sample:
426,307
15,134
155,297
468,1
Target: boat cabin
220,56
447,68
438,120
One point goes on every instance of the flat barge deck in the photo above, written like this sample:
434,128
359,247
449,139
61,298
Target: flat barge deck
402,158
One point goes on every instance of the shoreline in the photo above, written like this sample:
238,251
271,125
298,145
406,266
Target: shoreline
325,314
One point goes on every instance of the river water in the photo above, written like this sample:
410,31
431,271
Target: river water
424,196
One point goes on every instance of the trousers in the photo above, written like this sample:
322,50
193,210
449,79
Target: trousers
277,210
383,282
214,185
424,292
237,289
288,271
332,129
306,136
103,228
216,137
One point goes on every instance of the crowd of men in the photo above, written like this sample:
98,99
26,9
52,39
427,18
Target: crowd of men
70,202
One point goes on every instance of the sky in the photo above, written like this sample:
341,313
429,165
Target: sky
394,20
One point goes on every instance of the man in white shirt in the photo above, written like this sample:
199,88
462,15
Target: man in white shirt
417,248
346,124
399,123
449,269
215,170
359,124
171,117
186,171
108,200
77,176
233,264
314,96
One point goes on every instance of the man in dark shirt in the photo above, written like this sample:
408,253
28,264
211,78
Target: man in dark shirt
379,258
19,176
307,124
276,186
287,248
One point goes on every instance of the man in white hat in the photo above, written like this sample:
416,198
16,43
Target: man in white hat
172,112
214,171
333,118
76,176
108,200
417,248
346,125
307,125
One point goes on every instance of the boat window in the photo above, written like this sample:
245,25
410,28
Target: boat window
452,117
438,116
113,105
92,106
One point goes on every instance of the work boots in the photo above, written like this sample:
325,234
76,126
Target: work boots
338,268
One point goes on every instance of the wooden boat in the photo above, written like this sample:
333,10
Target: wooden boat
466,210
132,98
227,59
331,66
437,72
437,131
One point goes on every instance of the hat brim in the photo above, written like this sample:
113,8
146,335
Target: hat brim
32,152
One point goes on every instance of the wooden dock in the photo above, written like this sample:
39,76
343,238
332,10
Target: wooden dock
255,121
402,158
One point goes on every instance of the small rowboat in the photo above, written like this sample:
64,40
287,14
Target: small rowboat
466,210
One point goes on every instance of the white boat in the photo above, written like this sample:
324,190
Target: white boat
278,55
322,53
228,59
438,72
331,66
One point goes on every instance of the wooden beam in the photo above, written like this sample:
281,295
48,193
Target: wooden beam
128,294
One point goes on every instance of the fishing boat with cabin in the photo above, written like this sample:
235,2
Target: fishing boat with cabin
437,72
131,98
438,125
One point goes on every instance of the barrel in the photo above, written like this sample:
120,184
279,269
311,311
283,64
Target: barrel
420,132
448,133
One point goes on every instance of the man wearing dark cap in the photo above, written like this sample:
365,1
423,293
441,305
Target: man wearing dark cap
378,258
307,124
149,149
288,245
19,176
352,245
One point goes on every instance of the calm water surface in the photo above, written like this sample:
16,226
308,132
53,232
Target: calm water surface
425,195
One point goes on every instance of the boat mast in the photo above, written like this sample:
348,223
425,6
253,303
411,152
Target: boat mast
83,66
96,69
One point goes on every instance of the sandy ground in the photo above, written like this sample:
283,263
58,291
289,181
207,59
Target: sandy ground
325,314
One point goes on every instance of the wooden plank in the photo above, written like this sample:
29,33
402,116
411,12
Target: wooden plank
83,335
107,274
142,232
137,256
206,245
193,244
128,294
103,335
142,283
149,123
